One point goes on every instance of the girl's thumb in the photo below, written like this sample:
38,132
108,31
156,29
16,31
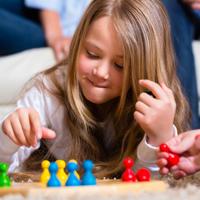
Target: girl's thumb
48,133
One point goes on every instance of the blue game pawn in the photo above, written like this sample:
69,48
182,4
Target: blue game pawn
72,179
88,177
53,181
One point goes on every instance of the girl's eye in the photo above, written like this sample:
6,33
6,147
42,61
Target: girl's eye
118,66
91,55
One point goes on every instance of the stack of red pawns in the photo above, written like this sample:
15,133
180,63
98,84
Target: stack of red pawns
128,175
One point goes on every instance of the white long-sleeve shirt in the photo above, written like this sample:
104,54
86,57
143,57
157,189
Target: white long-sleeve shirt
52,115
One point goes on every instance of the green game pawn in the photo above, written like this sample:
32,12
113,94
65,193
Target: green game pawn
4,178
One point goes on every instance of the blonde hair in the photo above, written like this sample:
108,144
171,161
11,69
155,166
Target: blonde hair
144,30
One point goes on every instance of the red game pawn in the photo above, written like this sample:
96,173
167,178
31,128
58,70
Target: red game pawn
128,175
164,148
143,175
173,158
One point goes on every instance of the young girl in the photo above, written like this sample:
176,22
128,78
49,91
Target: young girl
94,105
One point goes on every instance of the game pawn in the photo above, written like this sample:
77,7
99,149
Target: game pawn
72,179
173,158
88,178
62,176
45,176
4,178
75,172
143,174
53,181
128,175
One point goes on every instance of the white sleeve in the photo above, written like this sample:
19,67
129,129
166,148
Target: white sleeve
147,154
55,5
11,153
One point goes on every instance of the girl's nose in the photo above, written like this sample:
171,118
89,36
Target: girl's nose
101,71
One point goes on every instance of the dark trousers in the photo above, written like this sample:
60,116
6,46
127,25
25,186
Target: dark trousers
183,26
20,28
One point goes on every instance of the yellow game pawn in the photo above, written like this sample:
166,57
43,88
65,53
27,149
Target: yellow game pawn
45,176
75,172
62,176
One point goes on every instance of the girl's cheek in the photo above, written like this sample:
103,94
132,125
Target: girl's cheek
83,61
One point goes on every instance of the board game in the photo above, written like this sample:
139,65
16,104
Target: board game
28,184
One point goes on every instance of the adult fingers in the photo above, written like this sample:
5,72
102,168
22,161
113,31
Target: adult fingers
183,142
164,171
178,174
58,51
162,162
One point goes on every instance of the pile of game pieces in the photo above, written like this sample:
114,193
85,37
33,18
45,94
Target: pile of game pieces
56,174
129,175
173,158
4,178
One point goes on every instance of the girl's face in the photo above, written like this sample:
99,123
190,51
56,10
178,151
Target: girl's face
100,64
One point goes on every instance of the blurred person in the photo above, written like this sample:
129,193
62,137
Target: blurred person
185,23
27,24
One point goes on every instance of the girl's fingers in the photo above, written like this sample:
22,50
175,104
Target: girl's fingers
141,107
8,130
169,93
35,125
48,133
154,88
146,99
17,129
25,123
139,117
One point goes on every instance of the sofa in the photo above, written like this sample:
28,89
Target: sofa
16,69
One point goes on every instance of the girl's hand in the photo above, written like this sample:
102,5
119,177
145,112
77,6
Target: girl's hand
187,145
156,115
23,127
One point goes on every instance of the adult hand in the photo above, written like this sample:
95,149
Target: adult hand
187,145
54,34
60,47
194,4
